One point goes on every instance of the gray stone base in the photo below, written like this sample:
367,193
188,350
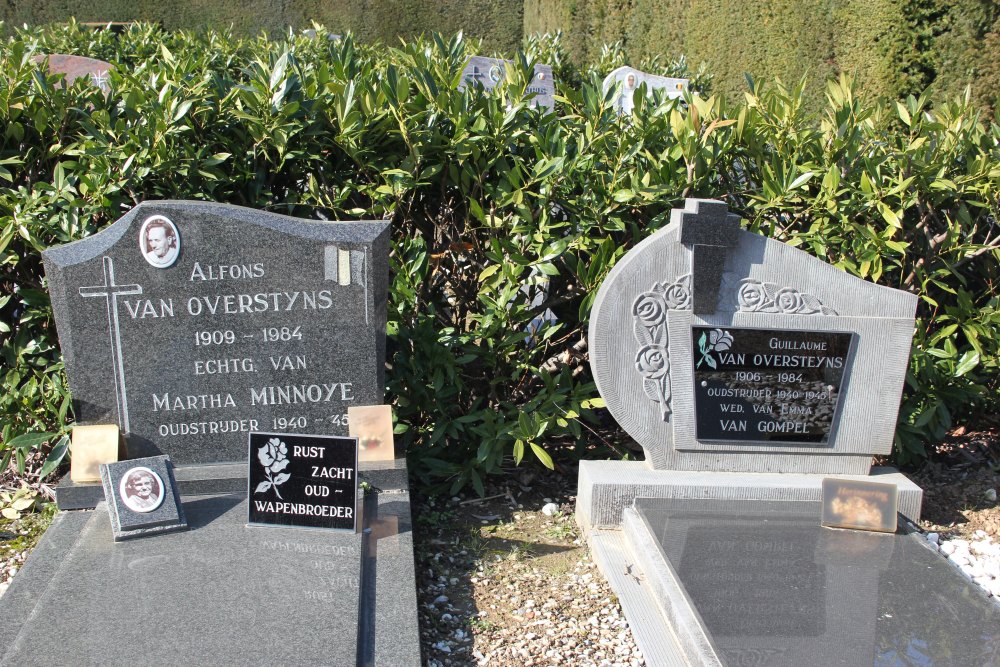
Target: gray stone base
606,488
619,565
208,479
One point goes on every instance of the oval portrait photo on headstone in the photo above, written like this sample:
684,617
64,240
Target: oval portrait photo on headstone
159,241
141,490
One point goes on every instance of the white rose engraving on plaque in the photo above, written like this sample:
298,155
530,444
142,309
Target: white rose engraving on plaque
274,457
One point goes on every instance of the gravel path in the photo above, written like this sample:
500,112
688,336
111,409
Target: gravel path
978,559
528,616
507,581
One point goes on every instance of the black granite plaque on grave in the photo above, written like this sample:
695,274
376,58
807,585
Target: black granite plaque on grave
308,481
768,385
755,582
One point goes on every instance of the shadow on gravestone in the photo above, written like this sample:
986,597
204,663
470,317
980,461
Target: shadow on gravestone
763,583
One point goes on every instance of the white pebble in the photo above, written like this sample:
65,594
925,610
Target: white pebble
550,509
947,548
933,538
991,495
975,570
980,548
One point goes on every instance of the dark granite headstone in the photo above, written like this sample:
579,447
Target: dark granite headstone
192,324
142,497
489,72
309,481
75,67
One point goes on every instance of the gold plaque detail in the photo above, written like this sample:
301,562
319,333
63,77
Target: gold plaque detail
372,426
859,504
90,447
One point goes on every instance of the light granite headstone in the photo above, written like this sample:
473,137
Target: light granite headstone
192,324
487,73
744,367
628,79
75,67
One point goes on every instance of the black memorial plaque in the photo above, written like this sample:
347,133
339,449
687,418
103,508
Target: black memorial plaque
309,481
768,385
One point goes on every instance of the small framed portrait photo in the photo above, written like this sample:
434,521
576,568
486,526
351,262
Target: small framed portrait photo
159,241
141,490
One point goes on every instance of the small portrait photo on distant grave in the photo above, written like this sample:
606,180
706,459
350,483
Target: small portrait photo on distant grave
141,490
159,241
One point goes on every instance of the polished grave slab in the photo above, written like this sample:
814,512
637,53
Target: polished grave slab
763,583
222,593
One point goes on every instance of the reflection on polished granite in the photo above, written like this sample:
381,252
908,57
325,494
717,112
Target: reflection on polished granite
223,593
774,588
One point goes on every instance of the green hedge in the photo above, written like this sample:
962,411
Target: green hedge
486,200
496,22
892,48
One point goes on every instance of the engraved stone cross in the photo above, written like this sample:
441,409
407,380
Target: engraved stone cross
709,230
110,291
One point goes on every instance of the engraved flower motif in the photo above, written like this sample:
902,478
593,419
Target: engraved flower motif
677,297
652,361
274,457
720,340
715,340
649,308
788,300
752,296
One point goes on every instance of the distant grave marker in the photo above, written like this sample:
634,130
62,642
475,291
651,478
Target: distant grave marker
629,79
75,67
488,72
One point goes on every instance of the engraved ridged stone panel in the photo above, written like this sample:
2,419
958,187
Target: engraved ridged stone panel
766,285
